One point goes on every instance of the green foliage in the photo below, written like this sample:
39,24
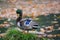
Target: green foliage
43,39
2,20
14,34
44,20
47,20
1,0
1,38
3,30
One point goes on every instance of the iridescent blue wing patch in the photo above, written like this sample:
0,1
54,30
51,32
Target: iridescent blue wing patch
27,22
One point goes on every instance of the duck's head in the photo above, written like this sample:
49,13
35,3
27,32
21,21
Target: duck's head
19,12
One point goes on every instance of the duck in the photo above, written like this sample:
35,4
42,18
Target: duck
25,23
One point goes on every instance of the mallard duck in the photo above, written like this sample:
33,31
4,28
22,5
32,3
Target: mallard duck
25,23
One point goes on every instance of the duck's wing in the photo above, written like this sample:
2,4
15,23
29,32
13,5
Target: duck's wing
31,24
34,24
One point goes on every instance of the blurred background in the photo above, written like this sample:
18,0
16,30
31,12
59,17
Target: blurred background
29,7
47,13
